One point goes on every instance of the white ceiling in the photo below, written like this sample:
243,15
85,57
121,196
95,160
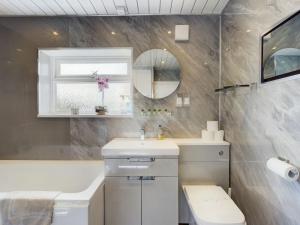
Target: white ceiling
109,7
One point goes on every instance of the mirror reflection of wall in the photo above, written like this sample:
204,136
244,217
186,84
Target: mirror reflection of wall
282,62
281,50
156,73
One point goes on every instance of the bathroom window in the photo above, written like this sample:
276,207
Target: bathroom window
85,67
68,82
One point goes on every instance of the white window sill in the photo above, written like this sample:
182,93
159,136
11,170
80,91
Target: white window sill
85,116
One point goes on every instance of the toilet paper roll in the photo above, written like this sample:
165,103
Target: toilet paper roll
212,125
219,136
208,135
283,169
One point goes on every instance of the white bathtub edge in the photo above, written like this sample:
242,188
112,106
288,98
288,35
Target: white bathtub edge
82,197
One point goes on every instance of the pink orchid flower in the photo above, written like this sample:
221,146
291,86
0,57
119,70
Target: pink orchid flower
102,83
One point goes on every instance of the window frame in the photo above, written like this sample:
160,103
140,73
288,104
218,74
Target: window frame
85,59
56,78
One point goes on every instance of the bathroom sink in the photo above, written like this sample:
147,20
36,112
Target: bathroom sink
135,147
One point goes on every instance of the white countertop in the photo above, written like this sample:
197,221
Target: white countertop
137,147
196,141
151,147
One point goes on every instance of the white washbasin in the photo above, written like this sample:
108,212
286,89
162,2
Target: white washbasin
135,147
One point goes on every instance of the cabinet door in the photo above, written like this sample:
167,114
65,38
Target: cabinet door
160,201
122,201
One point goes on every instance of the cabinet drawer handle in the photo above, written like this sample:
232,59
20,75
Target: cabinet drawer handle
148,178
141,159
134,178
133,167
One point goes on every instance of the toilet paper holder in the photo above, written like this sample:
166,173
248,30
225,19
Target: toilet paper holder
283,168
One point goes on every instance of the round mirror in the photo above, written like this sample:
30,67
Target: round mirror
156,73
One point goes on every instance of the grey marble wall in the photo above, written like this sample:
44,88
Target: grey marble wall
261,122
26,137
143,33
22,135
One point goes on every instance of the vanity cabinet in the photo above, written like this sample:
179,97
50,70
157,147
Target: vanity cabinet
138,193
122,201
160,201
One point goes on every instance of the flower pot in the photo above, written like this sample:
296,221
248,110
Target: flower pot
100,110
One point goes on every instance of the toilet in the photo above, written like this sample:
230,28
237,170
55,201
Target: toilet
204,178
210,205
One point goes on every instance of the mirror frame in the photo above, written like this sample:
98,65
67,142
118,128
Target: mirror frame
292,73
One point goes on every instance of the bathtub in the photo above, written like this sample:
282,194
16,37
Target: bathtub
80,183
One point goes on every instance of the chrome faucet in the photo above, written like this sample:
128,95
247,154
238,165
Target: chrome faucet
142,133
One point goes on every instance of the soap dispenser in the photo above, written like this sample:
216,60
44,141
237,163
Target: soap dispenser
160,133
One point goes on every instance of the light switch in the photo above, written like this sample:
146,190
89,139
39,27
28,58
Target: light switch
179,102
182,32
186,101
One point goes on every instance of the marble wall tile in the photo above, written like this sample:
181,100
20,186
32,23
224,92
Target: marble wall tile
264,198
22,135
198,58
26,137
261,122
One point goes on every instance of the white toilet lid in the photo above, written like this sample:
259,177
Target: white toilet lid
211,205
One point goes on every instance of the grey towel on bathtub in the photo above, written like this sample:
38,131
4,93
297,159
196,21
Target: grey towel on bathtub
27,208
